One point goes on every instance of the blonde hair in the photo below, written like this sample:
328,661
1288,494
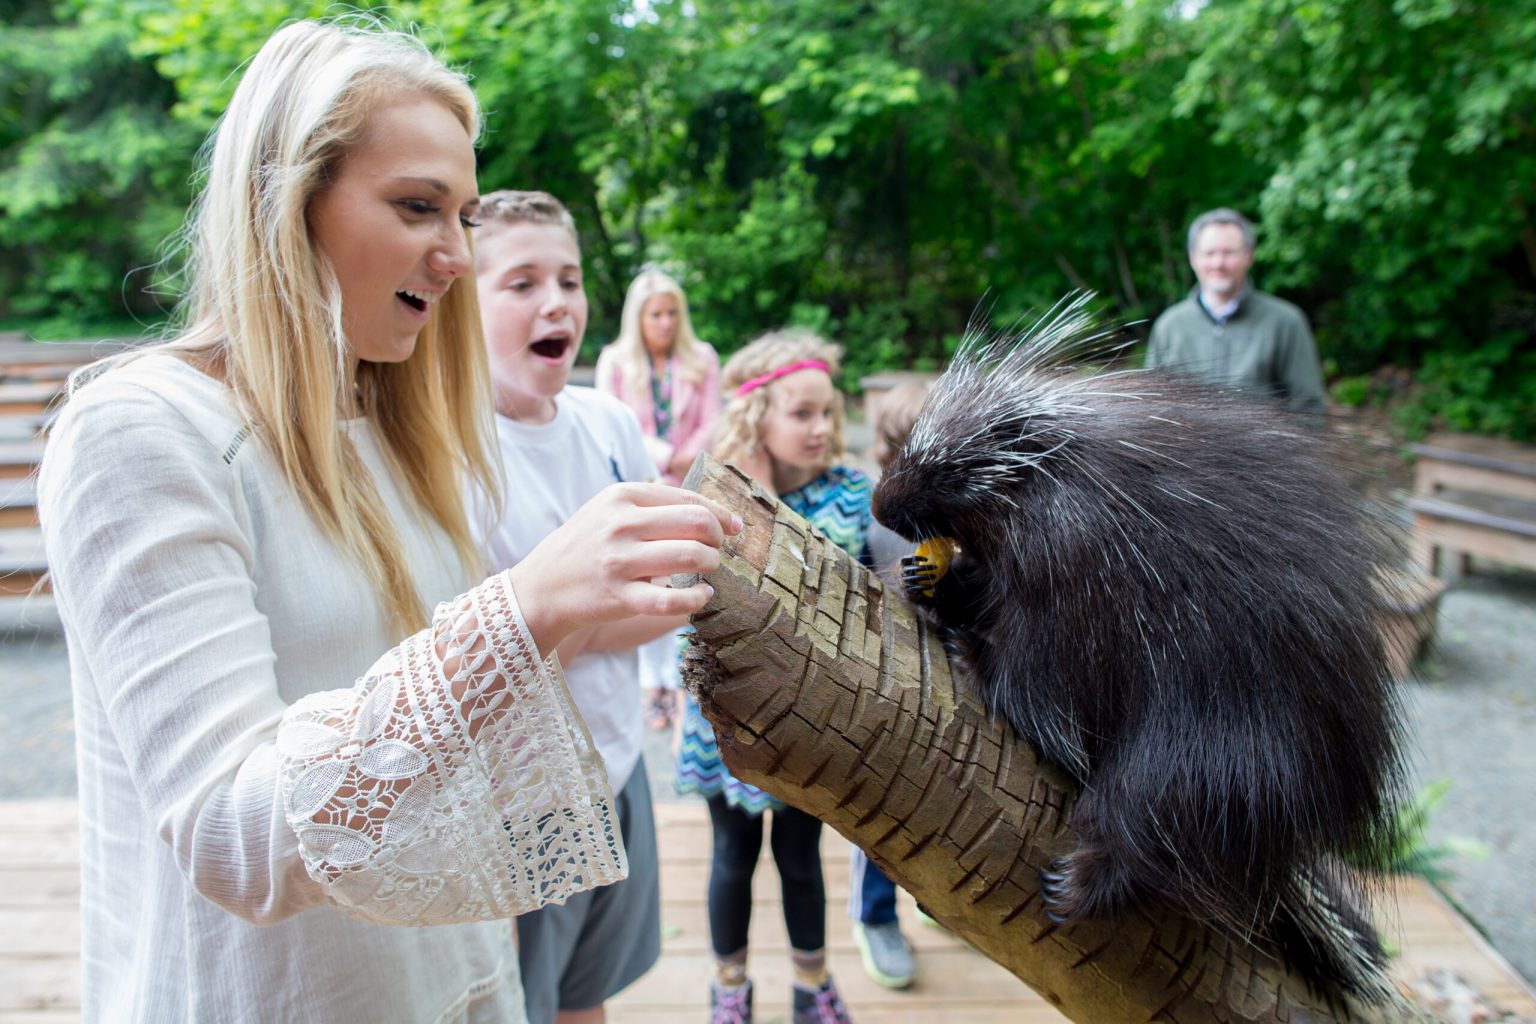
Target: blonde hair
505,207
895,413
634,358
740,431
263,305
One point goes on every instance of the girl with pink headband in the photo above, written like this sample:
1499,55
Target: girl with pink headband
783,424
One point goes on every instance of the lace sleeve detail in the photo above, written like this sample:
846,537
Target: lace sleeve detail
455,782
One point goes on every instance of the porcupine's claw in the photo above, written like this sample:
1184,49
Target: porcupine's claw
918,576
1053,889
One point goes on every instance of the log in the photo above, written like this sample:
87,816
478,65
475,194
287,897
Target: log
828,691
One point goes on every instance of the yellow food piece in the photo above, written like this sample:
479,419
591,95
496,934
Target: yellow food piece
940,551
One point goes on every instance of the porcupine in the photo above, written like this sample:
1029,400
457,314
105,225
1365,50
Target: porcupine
1166,588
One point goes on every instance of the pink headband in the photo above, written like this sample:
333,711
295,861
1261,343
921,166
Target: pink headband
773,375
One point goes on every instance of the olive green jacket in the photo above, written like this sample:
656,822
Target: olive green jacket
1265,347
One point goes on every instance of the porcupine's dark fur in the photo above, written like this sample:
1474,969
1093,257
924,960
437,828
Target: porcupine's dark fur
1168,590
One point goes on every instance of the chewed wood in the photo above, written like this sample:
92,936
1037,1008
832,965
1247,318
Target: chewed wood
830,692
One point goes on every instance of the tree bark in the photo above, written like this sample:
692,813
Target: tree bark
830,692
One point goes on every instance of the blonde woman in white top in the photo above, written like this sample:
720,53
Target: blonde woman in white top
241,527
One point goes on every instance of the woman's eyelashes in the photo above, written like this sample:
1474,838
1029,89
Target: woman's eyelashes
425,208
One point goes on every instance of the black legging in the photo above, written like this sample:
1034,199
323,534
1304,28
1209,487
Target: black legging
796,845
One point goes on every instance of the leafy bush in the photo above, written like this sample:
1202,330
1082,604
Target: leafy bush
1414,854
1490,389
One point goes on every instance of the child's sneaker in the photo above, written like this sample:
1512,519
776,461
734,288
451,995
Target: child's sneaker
819,1006
886,954
660,709
730,1005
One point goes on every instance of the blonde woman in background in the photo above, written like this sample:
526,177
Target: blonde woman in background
659,368
240,522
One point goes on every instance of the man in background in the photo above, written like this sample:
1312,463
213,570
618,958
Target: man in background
1228,332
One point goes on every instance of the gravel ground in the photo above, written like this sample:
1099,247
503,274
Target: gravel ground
1471,711
1472,714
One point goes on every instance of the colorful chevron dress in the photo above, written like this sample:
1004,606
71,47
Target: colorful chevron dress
837,504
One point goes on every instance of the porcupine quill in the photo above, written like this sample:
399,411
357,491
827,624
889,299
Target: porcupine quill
1169,589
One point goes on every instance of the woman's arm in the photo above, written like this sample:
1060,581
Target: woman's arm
398,797
701,423
153,575
621,636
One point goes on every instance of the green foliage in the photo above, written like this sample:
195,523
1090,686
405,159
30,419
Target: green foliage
92,169
1351,391
1490,389
891,170
760,258
1400,163
1413,853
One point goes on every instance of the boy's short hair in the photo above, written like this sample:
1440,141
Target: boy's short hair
506,207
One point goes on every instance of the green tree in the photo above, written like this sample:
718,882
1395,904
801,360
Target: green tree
1402,172
888,170
93,169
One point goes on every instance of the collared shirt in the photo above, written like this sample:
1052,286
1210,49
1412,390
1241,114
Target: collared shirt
1264,345
1224,312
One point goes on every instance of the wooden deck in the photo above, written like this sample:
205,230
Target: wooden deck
40,939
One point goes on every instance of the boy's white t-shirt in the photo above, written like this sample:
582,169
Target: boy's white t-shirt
552,469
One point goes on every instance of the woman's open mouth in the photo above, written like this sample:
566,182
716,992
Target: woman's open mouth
552,347
420,304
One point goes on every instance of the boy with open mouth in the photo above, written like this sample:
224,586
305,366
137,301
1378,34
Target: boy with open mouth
561,446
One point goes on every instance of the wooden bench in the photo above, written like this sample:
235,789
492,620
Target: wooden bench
35,372
1474,496
18,502
19,458
22,397
32,380
1407,609
22,563
20,357
26,426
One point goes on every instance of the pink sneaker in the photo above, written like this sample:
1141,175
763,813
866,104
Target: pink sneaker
730,1005
819,1006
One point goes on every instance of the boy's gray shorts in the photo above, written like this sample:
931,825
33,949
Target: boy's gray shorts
583,953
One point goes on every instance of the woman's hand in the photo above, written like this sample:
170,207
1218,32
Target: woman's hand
599,565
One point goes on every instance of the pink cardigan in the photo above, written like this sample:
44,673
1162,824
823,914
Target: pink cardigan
695,407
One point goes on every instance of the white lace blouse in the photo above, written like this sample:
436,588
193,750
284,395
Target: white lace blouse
261,810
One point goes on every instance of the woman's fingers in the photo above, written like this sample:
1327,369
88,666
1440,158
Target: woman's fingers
597,567
675,498
650,559
650,599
